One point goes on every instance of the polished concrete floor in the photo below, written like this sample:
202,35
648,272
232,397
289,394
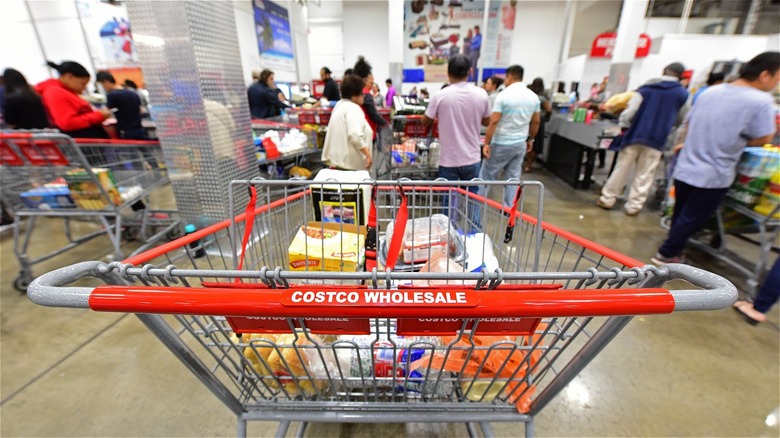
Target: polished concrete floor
81,373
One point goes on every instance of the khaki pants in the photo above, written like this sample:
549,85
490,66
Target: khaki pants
642,161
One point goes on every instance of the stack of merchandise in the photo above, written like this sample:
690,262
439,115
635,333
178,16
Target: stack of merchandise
754,172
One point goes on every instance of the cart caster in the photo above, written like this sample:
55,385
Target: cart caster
666,222
130,233
173,234
21,283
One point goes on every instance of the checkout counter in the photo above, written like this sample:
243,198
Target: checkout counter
571,147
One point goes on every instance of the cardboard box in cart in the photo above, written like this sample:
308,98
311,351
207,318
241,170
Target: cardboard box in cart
339,201
320,246
86,194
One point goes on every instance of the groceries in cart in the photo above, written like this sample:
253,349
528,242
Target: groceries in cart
404,154
51,195
422,238
86,193
754,171
321,246
339,198
306,364
415,152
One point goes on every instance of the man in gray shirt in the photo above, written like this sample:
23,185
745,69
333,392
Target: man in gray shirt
725,119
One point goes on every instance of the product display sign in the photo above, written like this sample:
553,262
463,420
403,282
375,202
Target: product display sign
438,29
274,39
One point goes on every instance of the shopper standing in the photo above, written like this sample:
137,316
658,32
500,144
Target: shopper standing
331,91
22,107
460,109
712,79
127,105
652,113
511,132
142,94
390,93
537,86
492,86
725,119
348,139
474,50
70,113
363,70
264,100
379,100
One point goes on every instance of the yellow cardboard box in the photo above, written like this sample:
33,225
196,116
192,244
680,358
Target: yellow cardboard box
320,246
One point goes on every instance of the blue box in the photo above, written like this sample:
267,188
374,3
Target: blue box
53,197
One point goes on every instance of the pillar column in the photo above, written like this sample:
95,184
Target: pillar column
192,68
632,23
395,42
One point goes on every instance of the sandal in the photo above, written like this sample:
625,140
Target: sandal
747,311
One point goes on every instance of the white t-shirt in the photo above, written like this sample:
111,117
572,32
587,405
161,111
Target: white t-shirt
348,133
517,105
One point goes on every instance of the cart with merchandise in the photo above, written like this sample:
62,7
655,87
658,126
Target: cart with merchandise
415,150
751,213
484,316
285,148
51,175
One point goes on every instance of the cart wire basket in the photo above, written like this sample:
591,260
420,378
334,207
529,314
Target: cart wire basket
426,302
47,174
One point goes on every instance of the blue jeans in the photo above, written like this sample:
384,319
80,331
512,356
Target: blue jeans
462,173
508,159
770,291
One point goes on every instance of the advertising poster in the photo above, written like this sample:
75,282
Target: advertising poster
274,39
435,30
110,24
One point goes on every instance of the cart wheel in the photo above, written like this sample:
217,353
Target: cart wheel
130,233
173,234
21,283
666,222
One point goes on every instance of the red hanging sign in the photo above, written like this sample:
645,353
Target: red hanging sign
604,45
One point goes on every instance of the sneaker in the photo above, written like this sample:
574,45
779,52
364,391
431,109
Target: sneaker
660,260
632,213
604,205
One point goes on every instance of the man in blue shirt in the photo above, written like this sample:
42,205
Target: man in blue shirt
725,119
513,126
651,114
474,49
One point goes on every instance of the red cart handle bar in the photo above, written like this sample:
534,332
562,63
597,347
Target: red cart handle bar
50,290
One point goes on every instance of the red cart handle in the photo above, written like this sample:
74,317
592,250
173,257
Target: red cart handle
306,301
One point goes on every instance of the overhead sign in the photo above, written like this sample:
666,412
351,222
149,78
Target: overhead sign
604,44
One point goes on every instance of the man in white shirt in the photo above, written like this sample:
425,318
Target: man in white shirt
511,131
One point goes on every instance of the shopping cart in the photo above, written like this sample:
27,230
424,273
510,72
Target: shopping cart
490,328
47,174
415,149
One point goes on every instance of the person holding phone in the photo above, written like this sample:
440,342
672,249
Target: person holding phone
68,112
125,105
